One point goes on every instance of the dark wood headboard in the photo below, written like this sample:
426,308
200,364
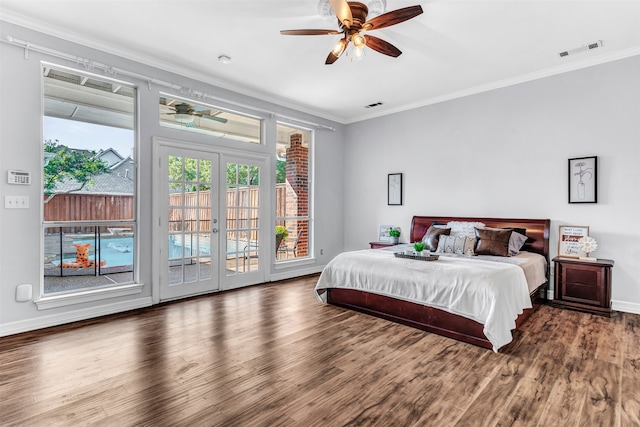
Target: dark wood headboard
537,229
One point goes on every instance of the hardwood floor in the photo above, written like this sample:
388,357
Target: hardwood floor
272,355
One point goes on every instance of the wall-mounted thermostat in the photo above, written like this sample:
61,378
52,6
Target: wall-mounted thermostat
19,177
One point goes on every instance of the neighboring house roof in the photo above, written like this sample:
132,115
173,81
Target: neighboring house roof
110,156
118,181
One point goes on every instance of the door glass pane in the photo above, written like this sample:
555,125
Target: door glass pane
243,217
205,171
189,220
205,268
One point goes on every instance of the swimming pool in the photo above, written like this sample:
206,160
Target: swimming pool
118,251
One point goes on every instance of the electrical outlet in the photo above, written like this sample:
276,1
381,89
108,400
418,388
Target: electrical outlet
321,251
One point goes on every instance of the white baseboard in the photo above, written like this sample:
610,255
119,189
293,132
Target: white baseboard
296,273
627,307
72,316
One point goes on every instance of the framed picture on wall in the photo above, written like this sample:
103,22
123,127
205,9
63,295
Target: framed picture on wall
568,246
583,180
394,189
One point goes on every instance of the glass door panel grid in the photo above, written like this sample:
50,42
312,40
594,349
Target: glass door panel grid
242,215
189,250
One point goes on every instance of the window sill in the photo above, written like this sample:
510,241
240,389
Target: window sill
56,301
279,265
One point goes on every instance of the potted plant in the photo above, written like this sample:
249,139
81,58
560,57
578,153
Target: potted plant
394,234
419,247
281,234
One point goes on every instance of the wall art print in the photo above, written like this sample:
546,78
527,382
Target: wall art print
583,180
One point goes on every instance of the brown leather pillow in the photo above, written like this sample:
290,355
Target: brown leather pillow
432,236
493,242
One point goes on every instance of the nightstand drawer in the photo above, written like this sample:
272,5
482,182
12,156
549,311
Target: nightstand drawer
580,292
583,285
586,277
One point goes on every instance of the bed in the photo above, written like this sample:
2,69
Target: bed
357,291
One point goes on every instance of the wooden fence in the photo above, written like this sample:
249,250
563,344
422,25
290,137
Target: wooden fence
100,207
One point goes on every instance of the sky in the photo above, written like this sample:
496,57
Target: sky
76,134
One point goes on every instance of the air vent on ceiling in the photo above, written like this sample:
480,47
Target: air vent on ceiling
377,104
581,49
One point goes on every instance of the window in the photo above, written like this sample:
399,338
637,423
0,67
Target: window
206,119
293,193
88,181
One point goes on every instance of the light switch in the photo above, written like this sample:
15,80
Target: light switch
16,202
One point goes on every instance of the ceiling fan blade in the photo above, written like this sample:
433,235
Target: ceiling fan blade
215,118
338,50
382,46
343,12
308,32
392,18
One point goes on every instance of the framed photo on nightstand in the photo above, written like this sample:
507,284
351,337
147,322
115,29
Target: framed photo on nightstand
568,246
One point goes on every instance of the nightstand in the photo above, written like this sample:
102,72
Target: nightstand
583,285
378,245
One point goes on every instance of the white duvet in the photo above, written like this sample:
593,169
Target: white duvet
492,293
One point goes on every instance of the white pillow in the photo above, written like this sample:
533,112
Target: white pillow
457,245
464,228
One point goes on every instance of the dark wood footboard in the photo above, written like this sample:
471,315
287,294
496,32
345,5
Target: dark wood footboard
423,317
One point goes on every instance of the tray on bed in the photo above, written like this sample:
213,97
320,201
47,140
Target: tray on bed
418,257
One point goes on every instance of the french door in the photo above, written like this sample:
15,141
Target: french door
210,225
188,222
244,229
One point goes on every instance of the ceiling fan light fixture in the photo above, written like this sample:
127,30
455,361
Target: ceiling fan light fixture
339,47
183,118
358,40
358,53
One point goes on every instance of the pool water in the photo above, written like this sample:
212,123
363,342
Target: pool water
118,251
115,251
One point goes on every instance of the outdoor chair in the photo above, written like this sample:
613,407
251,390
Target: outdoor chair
284,248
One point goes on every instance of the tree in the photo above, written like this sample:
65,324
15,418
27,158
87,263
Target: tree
281,171
242,175
237,174
69,164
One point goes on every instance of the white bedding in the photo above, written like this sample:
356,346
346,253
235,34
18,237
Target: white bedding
490,291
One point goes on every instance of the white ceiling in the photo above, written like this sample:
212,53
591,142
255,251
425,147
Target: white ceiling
455,48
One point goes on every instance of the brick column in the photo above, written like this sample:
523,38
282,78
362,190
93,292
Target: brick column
298,189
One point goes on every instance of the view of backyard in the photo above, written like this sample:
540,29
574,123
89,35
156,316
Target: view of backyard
89,225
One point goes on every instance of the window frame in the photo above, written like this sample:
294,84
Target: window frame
310,257
52,300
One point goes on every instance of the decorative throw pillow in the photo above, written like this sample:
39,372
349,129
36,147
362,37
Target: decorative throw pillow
493,241
464,228
517,239
516,242
457,245
432,236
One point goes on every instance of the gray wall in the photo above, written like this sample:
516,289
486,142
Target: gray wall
21,148
500,153
504,153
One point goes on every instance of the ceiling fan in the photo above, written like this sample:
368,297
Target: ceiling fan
352,19
185,113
